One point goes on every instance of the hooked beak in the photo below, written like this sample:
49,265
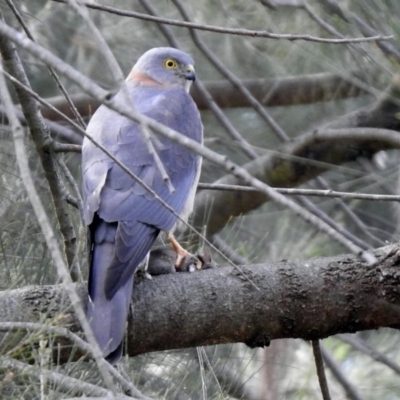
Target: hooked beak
189,73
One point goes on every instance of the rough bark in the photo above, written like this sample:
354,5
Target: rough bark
309,299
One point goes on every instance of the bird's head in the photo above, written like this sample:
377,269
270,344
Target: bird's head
163,66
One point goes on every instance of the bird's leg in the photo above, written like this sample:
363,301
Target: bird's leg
143,267
183,257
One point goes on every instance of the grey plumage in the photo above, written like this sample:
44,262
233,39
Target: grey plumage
123,218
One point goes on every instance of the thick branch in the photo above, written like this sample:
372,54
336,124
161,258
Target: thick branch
291,90
296,299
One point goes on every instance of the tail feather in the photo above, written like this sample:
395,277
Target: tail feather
107,310
107,317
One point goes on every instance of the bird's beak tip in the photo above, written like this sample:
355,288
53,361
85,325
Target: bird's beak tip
190,75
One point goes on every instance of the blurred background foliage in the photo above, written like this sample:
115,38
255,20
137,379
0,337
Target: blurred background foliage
286,369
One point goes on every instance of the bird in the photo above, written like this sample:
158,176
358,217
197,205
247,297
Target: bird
123,218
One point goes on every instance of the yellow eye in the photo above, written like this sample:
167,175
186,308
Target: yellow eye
170,63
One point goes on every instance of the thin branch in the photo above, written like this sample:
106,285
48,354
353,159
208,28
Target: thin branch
71,180
304,192
329,28
81,9
47,230
362,346
310,206
83,346
257,106
56,146
292,166
57,130
330,362
42,141
351,214
66,148
389,49
231,31
319,363
224,248
63,383
52,72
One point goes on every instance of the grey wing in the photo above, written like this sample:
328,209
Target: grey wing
124,218
115,196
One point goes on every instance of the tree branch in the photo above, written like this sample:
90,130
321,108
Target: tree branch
295,163
230,31
42,140
282,91
62,382
309,299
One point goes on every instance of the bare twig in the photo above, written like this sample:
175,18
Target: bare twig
66,148
63,383
231,31
310,206
362,346
102,45
304,192
257,106
56,146
52,72
319,363
42,140
389,49
83,346
71,180
223,247
57,130
351,215
350,390
329,28
293,159
62,269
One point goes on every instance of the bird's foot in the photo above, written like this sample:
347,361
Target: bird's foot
206,259
192,262
142,271
166,260
185,261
